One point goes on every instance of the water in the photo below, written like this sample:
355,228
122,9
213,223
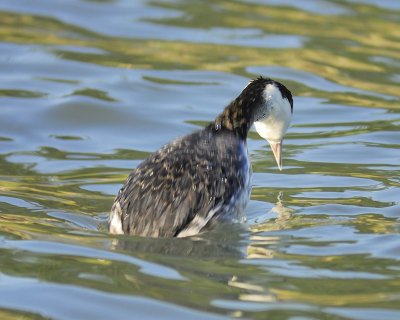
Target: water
89,88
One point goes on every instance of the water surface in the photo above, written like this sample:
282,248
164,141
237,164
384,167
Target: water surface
89,88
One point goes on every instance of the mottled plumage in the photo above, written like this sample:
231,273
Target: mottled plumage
199,179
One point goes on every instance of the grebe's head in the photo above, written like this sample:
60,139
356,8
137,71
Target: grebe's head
273,113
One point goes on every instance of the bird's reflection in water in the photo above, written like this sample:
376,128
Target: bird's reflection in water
284,212
226,240
262,246
198,257
261,240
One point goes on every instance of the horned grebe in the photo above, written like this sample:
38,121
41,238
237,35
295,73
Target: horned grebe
204,178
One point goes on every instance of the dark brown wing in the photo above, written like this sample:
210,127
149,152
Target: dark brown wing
185,184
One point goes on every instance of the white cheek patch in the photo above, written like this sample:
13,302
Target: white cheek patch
274,126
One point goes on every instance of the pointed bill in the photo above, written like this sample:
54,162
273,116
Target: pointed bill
277,150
